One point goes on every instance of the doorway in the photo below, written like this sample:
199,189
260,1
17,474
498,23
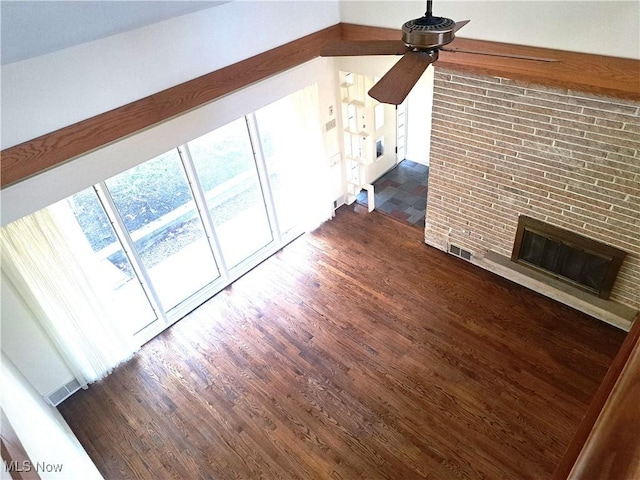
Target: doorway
402,192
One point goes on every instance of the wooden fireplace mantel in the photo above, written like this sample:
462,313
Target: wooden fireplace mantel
601,75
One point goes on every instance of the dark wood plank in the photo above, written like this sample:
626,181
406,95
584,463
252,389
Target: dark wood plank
357,351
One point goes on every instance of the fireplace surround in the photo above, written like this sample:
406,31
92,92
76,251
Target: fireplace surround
580,261
501,149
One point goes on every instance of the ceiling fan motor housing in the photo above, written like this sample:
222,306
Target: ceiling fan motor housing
428,32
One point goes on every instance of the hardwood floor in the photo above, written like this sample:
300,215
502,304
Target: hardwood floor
356,352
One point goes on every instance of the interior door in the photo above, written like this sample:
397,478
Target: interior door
384,139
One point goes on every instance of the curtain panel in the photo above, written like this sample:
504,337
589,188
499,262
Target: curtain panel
47,259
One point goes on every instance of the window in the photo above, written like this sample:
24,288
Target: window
226,166
282,154
159,213
171,232
129,298
380,147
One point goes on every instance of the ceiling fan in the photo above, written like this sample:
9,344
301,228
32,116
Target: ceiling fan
422,39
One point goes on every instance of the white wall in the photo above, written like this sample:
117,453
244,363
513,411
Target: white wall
54,90
25,343
45,93
419,108
45,435
601,27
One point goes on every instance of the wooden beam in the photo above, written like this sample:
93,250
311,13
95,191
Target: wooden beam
597,74
52,149
610,76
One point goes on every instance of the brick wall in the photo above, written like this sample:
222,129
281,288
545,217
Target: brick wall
501,148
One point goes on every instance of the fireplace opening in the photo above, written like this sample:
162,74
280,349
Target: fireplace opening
567,256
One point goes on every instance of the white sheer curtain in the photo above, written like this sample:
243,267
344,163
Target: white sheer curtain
49,262
314,163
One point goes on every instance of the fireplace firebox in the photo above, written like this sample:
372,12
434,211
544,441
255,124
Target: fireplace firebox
580,261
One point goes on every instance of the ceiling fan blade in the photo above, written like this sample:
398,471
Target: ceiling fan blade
346,48
459,25
396,84
504,55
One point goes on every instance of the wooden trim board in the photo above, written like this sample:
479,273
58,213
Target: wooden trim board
610,76
598,74
575,465
52,149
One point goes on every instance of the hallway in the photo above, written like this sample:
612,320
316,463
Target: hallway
402,192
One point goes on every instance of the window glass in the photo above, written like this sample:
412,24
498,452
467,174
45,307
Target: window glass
158,210
226,167
278,125
129,299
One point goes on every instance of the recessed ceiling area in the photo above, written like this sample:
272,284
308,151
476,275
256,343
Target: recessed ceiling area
33,28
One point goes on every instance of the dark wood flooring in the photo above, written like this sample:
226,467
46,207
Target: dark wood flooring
356,352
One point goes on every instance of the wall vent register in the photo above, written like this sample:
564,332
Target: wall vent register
460,252
582,262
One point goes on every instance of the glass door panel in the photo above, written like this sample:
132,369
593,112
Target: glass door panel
226,167
130,300
281,146
158,210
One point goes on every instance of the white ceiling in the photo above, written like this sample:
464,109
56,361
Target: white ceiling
31,27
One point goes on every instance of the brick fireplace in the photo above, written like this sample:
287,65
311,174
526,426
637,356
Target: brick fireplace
501,149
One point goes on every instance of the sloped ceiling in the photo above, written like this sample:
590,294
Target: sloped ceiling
33,28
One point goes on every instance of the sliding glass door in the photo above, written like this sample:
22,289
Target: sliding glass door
171,232
192,219
158,211
134,310
282,153
226,167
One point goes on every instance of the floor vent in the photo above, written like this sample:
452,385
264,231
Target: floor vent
459,252
64,392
